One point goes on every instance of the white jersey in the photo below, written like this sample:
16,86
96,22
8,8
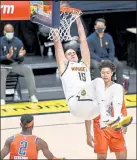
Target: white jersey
114,94
74,78
95,93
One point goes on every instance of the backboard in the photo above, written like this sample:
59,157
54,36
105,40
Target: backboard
20,10
54,19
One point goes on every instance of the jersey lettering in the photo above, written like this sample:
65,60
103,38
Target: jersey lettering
19,157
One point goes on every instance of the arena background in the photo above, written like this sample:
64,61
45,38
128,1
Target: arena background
119,16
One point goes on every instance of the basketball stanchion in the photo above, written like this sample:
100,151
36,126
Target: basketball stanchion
42,14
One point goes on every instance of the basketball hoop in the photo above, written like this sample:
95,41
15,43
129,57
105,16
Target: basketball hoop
41,14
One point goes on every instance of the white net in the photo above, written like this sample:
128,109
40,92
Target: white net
67,18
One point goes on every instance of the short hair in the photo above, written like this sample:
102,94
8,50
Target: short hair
26,118
107,64
100,20
71,45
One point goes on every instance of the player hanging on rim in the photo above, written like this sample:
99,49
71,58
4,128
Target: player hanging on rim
85,98
25,145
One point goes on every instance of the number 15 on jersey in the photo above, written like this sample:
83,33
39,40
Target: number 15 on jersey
82,76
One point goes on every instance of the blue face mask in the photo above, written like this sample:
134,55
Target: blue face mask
100,30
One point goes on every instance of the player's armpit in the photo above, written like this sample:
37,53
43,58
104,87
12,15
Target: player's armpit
6,149
43,146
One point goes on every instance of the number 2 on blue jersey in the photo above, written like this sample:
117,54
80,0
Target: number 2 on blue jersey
22,148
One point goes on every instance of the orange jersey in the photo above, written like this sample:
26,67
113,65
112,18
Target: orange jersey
23,147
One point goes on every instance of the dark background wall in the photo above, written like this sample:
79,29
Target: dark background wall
117,23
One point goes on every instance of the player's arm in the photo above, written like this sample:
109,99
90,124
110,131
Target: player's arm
85,53
90,139
59,53
43,146
6,149
124,109
118,98
88,126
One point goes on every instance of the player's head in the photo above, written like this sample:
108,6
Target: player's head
100,25
27,122
70,50
107,69
71,55
8,31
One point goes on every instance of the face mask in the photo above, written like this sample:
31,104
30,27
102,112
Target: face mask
100,30
9,36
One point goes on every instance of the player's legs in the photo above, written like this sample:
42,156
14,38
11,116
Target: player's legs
102,156
117,144
83,108
121,155
90,101
109,137
101,139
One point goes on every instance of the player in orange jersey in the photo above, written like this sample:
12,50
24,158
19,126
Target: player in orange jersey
25,145
108,137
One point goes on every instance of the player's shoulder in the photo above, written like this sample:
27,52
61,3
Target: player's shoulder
41,143
81,62
116,86
10,139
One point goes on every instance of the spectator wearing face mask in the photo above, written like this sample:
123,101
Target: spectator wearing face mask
101,47
12,55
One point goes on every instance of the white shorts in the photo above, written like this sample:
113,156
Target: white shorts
84,105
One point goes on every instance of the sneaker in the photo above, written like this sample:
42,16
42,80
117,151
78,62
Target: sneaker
124,122
33,99
112,121
109,122
2,102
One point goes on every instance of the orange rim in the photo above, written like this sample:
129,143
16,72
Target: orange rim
48,8
70,10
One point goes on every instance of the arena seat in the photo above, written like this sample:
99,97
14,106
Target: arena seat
13,86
